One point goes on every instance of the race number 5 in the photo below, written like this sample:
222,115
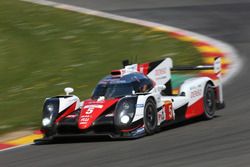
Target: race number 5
169,110
90,111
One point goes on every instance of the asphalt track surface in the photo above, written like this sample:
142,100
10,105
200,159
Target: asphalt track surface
223,141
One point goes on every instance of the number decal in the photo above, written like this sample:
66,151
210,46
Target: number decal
90,111
91,108
168,106
170,111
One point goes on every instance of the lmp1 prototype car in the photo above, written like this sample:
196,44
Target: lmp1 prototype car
134,101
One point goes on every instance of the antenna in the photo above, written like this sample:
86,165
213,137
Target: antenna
125,62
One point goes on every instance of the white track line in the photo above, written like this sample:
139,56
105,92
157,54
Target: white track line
236,62
15,147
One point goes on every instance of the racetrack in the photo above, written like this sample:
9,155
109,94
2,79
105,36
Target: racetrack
223,141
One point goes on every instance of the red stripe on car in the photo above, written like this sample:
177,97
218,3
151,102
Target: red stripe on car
67,112
195,109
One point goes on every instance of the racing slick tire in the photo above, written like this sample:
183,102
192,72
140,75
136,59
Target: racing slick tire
150,117
209,102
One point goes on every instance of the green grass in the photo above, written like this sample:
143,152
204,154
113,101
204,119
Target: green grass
43,50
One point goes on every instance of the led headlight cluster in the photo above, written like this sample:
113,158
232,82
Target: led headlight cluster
125,111
50,107
50,111
125,119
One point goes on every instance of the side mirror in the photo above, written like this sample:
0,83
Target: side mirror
160,87
68,90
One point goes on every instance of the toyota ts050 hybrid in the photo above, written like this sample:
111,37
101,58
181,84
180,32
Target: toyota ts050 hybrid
134,101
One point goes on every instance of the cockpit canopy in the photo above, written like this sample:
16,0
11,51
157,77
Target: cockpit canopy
111,87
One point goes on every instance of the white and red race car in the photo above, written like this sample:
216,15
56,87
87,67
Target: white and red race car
134,101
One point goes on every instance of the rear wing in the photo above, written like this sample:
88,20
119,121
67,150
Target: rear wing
216,67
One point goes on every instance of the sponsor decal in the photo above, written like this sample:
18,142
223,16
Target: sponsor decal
139,105
196,93
161,116
71,116
84,120
86,116
195,87
162,71
138,131
109,115
93,106
158,98
94,102
114,81
162,77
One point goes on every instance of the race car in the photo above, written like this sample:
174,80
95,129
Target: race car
134,101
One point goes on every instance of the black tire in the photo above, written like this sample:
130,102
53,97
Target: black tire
150,117
209,102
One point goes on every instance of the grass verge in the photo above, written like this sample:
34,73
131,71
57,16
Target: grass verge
43,50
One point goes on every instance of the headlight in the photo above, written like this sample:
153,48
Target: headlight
50,107
46,121
125,111
125,119
50,111
126,106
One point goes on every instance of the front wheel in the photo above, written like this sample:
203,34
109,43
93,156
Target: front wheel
209,102
150,117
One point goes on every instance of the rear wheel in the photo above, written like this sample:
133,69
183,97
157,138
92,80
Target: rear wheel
150,117
209,102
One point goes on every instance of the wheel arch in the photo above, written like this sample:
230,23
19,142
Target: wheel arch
141,101
211,82
214,88
152,98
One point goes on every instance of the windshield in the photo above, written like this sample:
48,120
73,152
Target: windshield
110,90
